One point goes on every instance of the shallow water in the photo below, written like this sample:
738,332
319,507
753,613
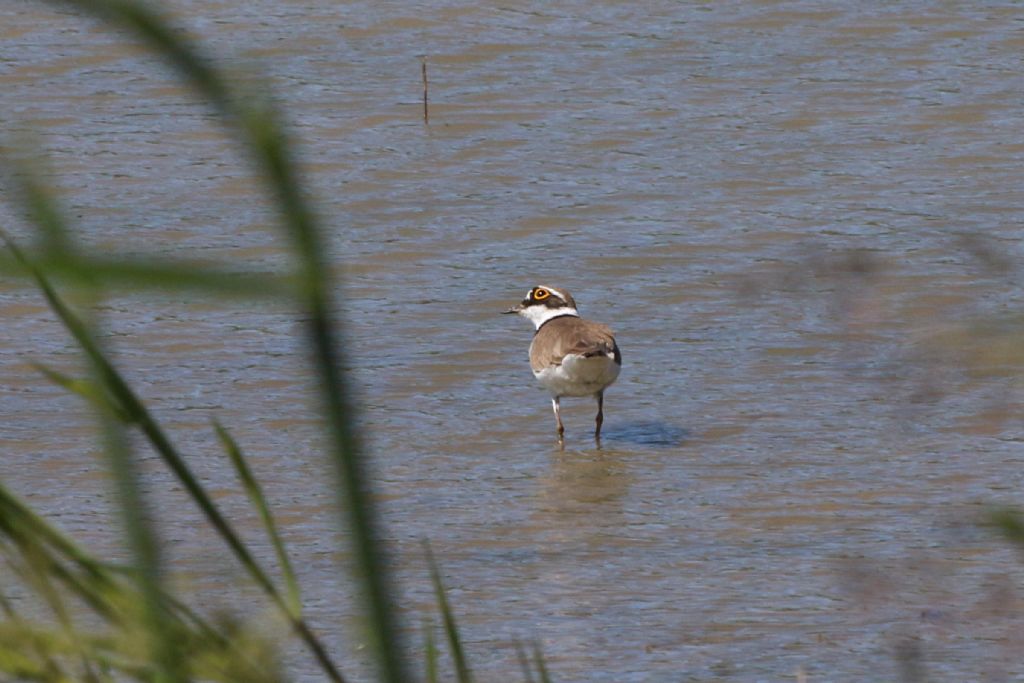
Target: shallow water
800,219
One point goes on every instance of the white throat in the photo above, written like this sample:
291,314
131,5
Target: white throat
538,315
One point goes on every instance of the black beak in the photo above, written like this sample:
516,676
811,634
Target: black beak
514,309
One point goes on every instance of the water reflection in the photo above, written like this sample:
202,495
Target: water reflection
651,433
585,478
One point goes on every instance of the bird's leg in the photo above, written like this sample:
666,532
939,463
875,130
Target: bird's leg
599,420
558,417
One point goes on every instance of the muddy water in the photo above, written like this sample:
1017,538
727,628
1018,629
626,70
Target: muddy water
801,219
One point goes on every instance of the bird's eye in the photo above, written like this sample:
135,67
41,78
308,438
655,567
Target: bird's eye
540,294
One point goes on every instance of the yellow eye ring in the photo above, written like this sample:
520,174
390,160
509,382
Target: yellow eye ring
540,294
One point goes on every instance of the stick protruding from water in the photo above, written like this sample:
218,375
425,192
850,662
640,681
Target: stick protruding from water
426,109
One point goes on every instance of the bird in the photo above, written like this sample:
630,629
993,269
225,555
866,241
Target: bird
569,355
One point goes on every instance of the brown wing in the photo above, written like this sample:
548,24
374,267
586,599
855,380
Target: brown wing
561,336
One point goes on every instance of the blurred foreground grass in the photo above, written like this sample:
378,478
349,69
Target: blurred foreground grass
123,622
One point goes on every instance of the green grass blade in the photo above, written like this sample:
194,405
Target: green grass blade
41,571
8,609
451,629
15,515
129,405
163,274
45,552
92,394
41,208
265,138
346,449
15,658
259,501
85,578
538,661
59,259
154,32
524,663
430,651
1010,523
142,539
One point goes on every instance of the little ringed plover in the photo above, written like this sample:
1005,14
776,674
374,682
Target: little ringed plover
569,356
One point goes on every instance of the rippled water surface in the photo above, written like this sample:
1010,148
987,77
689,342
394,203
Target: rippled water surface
802,220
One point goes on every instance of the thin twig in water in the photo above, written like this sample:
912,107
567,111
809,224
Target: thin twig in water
426,111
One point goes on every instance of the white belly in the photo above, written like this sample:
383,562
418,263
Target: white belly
578,376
